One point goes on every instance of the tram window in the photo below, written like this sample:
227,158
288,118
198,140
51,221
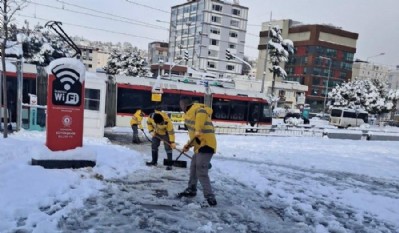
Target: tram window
129,100
238,109
170,102
29,87
220,109
92,99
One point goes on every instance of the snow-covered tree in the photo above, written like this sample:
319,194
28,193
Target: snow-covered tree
279,51
8,8
126,63
372,96
39,46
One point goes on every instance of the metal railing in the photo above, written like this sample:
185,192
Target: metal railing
272,130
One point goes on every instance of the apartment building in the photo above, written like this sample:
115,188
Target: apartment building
317,47
206,29
93,58
368,70
156,51
393,78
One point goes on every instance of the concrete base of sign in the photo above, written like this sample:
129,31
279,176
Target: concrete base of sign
62,164
75,158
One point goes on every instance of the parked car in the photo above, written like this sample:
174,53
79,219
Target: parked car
297,116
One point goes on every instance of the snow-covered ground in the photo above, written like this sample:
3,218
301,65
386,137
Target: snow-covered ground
262,184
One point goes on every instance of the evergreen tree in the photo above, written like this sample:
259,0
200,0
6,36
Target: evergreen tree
39,46
126,63
279,51
372,96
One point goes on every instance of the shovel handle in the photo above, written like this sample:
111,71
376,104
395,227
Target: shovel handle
181,151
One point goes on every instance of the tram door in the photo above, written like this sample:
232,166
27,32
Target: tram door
208,99
254,114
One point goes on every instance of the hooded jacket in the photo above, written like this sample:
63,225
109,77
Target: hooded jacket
198,119
137,118
161,129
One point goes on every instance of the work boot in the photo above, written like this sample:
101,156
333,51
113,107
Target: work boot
211,201
188,192
154,159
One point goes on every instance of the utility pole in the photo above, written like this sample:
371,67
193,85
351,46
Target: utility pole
3,62
266,55
19,93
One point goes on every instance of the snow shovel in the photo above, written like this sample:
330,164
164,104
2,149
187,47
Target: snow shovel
175,163
146,135
178,163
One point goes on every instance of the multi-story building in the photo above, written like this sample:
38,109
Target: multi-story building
367,70
157,51
93,58
316,46
393,79
206,29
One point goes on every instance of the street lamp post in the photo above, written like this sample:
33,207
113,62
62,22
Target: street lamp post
328,81
380,54
188,24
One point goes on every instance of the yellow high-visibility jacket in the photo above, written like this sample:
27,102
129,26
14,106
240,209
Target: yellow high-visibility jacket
137,118
161,129
198,119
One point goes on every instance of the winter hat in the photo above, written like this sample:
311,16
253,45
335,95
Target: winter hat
158,118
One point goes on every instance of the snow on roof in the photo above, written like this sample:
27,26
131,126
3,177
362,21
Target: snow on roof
9,67
14,49
69,63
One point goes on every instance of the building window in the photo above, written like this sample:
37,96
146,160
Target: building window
215,31
232,46
235,12
233,34
331,52
348,56
230,67
214,42
316,81
92,99
234,23
216,19
217,7
213,53
316,71
315,91
211,64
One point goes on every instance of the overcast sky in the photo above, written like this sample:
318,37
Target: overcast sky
376,21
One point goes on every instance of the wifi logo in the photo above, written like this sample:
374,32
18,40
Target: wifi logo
66,76
67,88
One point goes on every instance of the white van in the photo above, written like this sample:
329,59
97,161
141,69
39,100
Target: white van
344,118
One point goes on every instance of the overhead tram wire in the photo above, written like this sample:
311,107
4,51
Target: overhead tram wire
92,28
106,13
102,12
98,16
146,6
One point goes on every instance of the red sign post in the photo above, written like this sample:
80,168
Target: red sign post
65,104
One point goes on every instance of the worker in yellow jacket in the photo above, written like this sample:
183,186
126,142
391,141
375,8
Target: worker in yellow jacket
161,129
135,123
201,132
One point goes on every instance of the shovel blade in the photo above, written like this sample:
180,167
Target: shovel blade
176,163
180,163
